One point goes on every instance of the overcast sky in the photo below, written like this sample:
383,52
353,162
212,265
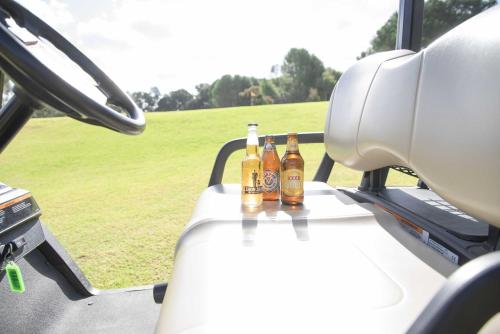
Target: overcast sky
175,44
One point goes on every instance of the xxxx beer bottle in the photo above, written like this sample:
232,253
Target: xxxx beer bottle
271,163
251,171
292,173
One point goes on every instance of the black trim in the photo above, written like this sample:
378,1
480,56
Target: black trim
469,298
410,23
374,181
324,169
2,83
466,250
13,116
422,185
62,261
159,291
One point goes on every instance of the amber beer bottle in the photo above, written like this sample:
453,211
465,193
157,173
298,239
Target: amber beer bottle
271,176
251,171
292,173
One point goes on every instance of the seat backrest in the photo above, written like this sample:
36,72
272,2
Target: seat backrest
436,112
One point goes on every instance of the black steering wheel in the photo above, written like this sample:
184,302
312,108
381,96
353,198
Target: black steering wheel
41,84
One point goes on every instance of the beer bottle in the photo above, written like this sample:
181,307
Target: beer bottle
251,171
271,176
292,173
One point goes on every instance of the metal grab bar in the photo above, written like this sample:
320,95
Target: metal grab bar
234,145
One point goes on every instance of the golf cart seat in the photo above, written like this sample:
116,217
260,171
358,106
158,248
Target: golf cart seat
436,112
283,269
336,264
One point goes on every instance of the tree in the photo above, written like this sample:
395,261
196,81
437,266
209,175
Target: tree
329,79
202,98
313,95
144,100
166,103
254,95
304,71
181,97
439,17
225,91
155,93
269,91
385,37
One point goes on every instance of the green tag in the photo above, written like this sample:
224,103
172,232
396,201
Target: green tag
15,277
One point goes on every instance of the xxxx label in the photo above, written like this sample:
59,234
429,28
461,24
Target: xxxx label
292,182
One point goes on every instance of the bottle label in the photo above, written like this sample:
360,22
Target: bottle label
252,190
271,180
253,183
292,182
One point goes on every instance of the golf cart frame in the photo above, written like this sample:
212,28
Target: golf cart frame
463,305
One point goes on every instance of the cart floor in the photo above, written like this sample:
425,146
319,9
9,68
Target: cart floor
51,304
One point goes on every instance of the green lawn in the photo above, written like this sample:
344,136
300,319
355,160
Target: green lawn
118,203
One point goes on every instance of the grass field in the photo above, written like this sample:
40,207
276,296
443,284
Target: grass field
118,203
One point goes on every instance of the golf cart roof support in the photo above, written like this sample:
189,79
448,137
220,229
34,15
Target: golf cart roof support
234,145
409,36
410,20
2,84
13,115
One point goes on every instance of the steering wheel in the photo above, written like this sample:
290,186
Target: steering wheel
44,85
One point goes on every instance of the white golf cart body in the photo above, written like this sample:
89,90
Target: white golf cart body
372,259
331,266
337,265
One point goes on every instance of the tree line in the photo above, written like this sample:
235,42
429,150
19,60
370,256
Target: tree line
303,77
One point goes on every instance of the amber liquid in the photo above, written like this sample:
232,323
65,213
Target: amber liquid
251,178
271,174
292,174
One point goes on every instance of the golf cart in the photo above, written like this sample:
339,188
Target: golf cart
369,259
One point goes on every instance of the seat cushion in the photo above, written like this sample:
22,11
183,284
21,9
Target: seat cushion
330,266
436,112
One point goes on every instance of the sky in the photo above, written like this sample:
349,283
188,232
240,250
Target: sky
173,44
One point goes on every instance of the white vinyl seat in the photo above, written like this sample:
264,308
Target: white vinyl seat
436,111
316,268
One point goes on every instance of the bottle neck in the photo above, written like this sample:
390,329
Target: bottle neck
252,140
292,146
252,149
269,146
